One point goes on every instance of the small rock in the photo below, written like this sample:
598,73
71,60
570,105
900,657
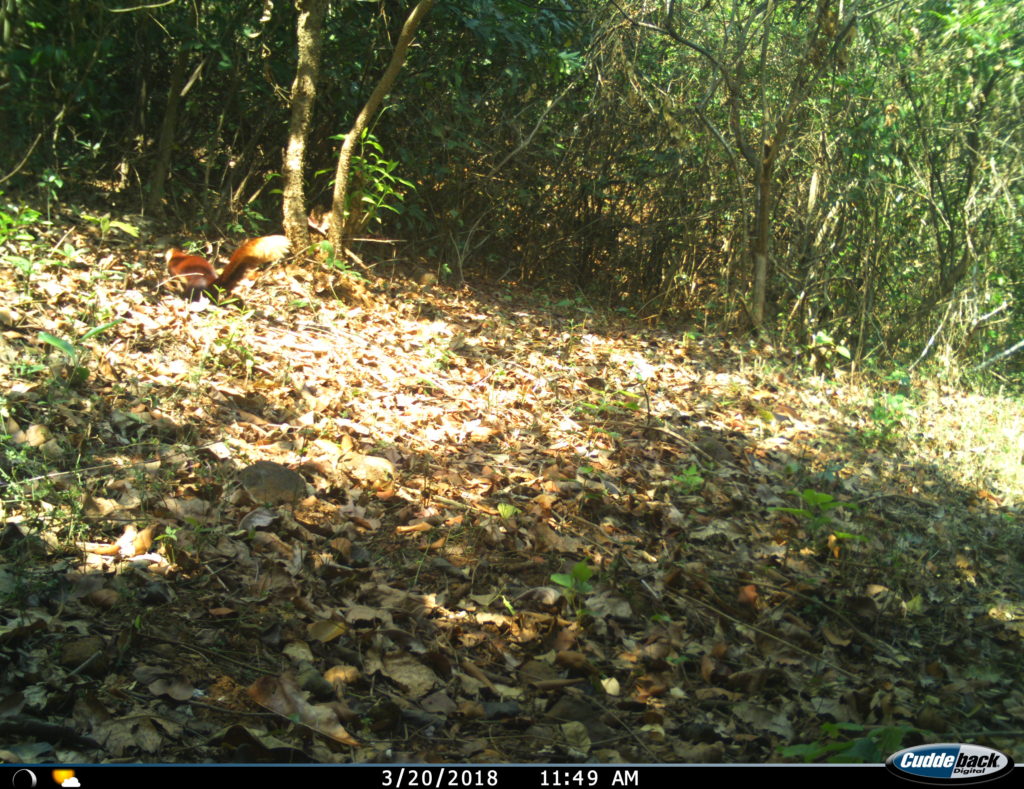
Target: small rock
267,482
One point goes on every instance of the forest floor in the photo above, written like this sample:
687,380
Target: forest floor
532,532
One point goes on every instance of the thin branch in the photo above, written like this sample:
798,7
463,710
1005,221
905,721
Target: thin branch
134,8
998,356
24,158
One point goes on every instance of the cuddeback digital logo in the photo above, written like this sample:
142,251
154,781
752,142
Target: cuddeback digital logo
949,762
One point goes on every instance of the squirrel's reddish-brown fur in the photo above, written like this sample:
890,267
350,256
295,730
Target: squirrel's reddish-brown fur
197,275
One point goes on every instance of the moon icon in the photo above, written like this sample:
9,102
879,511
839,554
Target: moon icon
23,779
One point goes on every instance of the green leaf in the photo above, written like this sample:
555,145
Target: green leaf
61,345
100,329
582,571
816,499
124,227
23,264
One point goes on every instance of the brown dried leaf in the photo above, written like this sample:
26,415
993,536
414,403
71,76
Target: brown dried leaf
281,695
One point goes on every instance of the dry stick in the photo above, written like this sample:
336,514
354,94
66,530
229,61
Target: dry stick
628,728
464,505
672,434
209,654
85,663
56,246
20,725
232,710
113,466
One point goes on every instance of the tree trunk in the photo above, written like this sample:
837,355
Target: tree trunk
762,242
336,236
157,179
309,32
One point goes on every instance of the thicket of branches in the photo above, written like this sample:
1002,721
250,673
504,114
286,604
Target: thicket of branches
846,173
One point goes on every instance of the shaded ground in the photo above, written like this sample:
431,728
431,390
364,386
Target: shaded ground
532,534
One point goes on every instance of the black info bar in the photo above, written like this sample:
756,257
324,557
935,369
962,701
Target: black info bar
413,776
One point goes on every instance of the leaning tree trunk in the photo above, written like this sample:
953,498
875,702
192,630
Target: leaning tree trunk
348,146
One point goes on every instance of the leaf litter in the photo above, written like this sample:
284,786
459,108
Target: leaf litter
527,534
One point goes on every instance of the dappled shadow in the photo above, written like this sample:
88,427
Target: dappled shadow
532,535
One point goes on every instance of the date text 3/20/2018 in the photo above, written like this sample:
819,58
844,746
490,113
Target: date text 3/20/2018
493,777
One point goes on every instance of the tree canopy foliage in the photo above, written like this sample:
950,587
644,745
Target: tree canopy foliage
848,173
